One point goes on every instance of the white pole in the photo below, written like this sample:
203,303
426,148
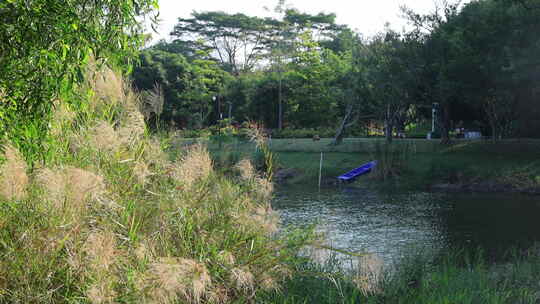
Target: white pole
320,171
432,119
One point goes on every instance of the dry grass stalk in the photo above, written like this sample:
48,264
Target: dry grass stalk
107,86
256,135
101,293
70,188
3,272
319,255
141,171
218,294
132,124
246,169
260,218
227,257
268,282
145,250
153,153
243,277
100,250
195,165
13,177
62,115
180,277
104,137
264,187
369,275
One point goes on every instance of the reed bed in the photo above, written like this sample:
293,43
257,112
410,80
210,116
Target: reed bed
107,217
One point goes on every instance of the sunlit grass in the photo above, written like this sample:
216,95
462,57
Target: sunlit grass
108,217
449,277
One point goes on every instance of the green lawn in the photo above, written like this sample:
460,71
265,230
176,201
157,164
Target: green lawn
515,162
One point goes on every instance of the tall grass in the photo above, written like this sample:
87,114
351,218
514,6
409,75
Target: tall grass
420,278
106,217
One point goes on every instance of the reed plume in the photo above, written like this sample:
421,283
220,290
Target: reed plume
195,165
13,177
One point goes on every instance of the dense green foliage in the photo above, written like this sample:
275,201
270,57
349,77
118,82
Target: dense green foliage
187,87
478,61
44,46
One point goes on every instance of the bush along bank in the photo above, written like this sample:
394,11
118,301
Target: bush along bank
107,217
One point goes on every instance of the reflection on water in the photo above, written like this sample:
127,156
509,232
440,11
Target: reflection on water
386,223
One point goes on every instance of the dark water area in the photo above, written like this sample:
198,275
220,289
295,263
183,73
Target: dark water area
389,224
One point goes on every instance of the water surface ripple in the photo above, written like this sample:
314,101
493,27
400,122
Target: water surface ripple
387,224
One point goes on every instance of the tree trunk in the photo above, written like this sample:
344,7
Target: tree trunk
388,130
495,131
445,125
339,134
280,105
388,125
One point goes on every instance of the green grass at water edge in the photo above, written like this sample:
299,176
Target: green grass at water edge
453,277
514,162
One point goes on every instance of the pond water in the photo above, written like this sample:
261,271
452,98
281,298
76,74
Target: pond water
386,224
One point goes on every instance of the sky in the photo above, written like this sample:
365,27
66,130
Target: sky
365,16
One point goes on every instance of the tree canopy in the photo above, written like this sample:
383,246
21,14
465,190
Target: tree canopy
478,61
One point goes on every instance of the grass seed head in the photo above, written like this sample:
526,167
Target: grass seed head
268,282
84,185
108,87
132,125
227,257
264,187
369,274
243,277
246,169
154,154
141,171
101,293
178,276
266,218
218,295
100,249
104,137
54,181
195,165
13,177
256,135
69,189
62,115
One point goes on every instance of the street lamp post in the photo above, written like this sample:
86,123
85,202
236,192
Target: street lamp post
214,98
434,108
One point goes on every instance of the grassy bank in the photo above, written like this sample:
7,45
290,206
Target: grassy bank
452,277
514,164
